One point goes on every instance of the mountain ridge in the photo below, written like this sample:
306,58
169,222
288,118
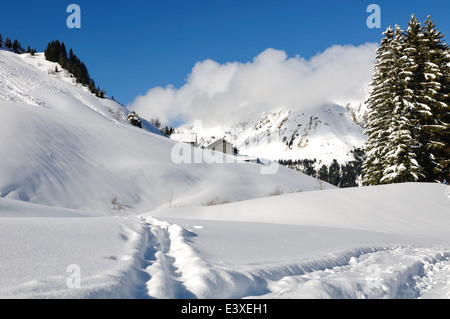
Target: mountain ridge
325,133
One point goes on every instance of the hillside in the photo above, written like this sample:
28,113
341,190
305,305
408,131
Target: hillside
65,147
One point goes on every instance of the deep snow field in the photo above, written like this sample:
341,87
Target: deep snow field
92,207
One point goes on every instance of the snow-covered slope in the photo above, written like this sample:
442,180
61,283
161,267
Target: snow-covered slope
373,242
62,146
324,133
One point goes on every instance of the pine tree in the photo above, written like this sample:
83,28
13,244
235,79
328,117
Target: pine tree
334,172
62,57
400,161
101,93
16,46
443,155
8,43
421,86
380,105
1,41
434,93
322,174
92,87
63,52
390,148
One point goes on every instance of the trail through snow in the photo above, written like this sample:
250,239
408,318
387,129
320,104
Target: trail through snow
163,266
176,270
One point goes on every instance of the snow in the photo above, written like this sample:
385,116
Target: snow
66,155
330,249
37,253
85,153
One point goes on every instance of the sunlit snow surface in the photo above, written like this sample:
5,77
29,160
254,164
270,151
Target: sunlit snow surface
66,155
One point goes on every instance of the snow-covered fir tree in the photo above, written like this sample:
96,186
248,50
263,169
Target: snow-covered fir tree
434,93
380,105
389,149
399,161
408,118
424,88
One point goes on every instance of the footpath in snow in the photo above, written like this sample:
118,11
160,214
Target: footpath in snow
177,270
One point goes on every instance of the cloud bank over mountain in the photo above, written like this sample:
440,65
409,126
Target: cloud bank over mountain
221,94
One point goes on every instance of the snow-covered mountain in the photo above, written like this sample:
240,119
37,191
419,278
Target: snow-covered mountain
324,133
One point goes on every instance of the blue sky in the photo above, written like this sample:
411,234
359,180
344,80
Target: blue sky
132,46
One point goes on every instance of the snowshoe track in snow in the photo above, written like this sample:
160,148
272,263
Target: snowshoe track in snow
176,270
165,277
393,273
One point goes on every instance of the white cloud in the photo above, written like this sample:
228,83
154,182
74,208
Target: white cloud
225,93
